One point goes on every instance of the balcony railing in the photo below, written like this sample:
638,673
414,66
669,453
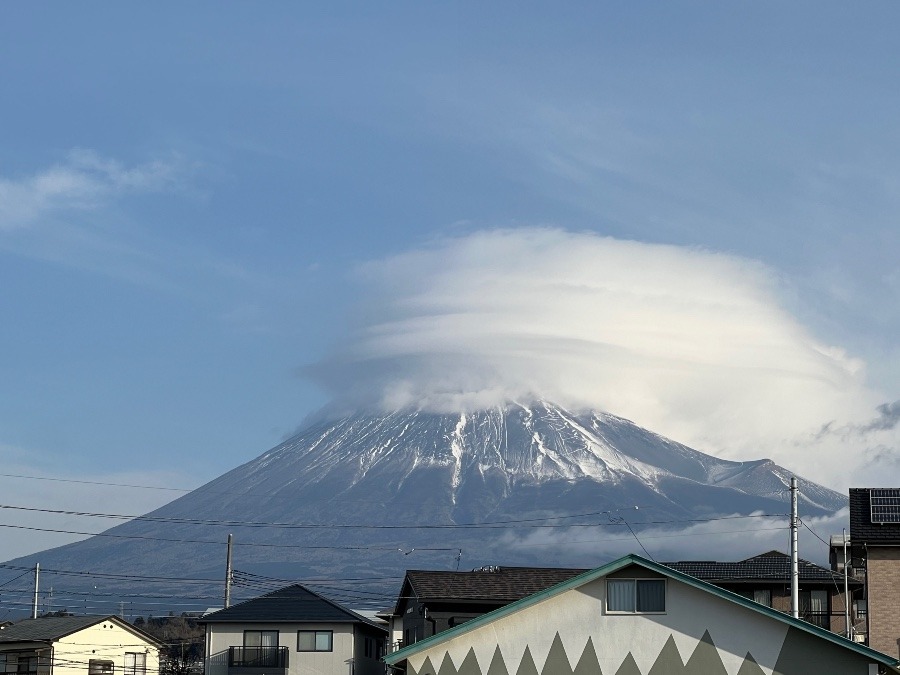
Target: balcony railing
257,657
820,619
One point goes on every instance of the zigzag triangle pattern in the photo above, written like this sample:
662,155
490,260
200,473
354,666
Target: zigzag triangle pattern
704,661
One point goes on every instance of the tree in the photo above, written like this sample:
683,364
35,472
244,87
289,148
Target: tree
184,643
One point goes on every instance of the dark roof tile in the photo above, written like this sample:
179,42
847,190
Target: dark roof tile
862,529
48,628
770,566
295,604
497,583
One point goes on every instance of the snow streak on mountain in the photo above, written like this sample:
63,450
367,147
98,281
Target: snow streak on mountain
353,496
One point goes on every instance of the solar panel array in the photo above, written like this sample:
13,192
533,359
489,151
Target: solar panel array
885,505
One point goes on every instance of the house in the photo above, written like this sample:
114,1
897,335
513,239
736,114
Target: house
78,645
637,617
875,556
840,556
766,578
434,601
292,631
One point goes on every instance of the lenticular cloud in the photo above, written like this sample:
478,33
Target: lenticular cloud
689,343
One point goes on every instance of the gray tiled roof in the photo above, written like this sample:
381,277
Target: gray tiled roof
47,628
862,529
770,566
295,604
503,583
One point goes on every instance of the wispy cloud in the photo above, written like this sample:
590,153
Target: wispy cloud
738,538
689,343
85,181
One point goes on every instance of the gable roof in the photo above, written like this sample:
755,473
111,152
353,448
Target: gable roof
295,604
51,628
488,584
619,564
862,529
770,566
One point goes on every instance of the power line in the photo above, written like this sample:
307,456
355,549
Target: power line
217,543
96,482
500,524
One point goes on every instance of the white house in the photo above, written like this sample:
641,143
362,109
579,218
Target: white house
292,631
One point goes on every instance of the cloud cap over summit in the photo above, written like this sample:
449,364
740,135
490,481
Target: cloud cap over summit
691,343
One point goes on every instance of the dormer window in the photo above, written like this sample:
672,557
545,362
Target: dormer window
635,596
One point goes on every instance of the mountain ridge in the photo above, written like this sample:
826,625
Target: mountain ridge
354,496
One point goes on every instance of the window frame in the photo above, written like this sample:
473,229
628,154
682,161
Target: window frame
315,634
277,638
139,667
634,585
101,671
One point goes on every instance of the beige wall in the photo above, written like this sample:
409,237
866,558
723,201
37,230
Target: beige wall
346,657
883,577
106,640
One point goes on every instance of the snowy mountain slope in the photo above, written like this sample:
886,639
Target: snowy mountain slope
371,486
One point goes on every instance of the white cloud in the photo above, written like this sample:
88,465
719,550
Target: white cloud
686,342
737,537
85,181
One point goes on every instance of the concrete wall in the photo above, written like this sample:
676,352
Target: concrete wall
106,640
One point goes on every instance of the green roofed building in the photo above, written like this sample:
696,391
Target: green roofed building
637,617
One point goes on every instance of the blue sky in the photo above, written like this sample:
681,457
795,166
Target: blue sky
191,195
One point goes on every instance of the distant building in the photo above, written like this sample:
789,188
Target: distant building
766,579
433,601
875,555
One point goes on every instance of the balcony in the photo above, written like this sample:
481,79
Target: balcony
257,660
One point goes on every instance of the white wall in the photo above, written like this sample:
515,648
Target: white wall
339,661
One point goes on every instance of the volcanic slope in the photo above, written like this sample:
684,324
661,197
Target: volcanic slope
352,497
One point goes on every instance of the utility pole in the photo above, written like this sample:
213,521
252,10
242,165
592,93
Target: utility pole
37,577
795,560
228,573
846,591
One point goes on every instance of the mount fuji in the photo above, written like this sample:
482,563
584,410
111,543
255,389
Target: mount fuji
367,496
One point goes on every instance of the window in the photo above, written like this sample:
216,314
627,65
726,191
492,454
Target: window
135,663
260,638
260,650
814,607
24,663
314,640
763,596
635,595
100,667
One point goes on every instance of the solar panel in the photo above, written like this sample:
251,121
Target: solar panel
885,505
